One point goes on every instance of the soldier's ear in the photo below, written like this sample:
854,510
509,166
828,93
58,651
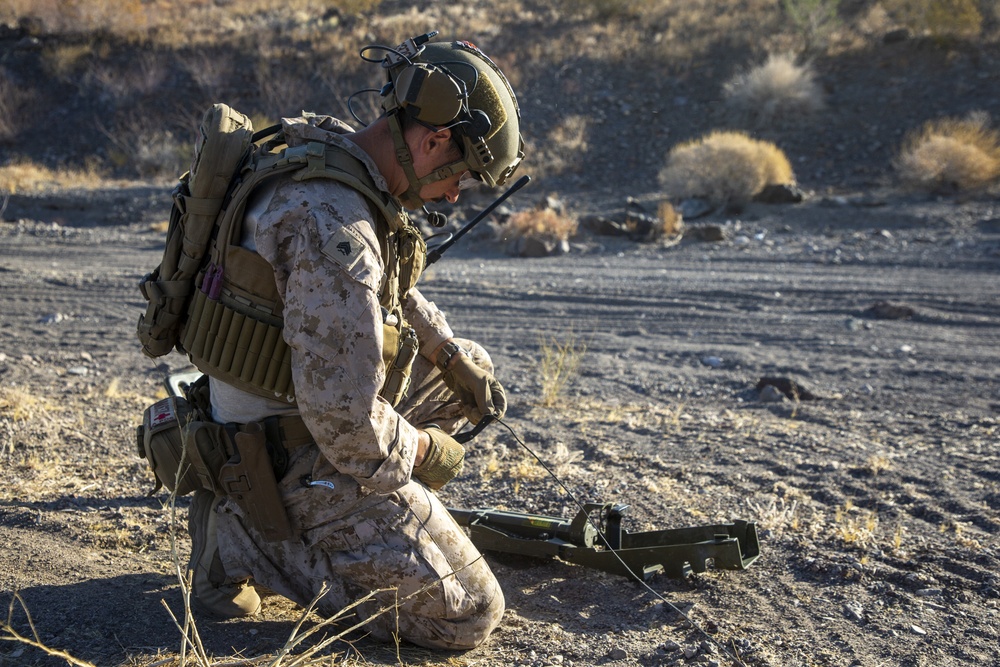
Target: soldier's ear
438,143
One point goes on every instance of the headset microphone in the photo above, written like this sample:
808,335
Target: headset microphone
436,218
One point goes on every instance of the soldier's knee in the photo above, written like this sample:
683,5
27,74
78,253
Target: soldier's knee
476,628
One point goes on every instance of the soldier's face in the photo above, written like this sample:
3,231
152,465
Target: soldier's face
434,150
448,189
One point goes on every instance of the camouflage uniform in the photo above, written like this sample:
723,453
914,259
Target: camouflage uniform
363,524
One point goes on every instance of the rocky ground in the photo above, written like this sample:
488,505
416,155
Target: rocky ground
874,488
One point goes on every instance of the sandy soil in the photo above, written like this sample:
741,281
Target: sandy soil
877,502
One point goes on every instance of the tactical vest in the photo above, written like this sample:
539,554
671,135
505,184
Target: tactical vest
233,329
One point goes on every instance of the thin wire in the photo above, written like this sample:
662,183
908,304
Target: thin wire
600,534
388,49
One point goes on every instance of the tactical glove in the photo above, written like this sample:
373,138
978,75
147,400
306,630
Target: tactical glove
443,462
479,392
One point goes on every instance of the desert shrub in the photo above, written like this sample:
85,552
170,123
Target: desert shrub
950,155
938,18
545,223
726,168
146,150
779,88
15,103
79,16
610,9
814,19
563,149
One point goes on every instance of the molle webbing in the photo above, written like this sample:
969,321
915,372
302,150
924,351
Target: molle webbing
231,342
234,326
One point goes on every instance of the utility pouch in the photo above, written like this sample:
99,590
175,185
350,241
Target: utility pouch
184,453
205,448
248,479
397,372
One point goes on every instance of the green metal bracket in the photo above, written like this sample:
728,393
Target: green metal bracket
602,544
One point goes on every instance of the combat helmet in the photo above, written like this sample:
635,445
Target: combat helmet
453,85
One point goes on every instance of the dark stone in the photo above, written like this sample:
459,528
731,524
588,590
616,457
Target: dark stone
710,233
896,36
789,387
886,310
780,194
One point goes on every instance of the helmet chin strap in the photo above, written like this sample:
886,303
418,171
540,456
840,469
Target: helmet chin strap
411,199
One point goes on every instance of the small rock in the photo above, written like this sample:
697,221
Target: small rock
694,208
771,394
710,233
834,202
712,362
597,224
52,318
534,246
553,203
780,194
885,310
791,388
854,611
690,651
670,645
917,630
617,653
77,370
894,36
929,592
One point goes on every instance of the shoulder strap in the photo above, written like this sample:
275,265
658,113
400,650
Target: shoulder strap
304,162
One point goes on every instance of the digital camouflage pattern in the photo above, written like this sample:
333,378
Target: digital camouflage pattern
363,524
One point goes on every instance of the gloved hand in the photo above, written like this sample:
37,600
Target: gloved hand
479,392
443,462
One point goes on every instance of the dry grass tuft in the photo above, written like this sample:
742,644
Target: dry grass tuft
854,528
776,515
20,405
545,223
23,176
877,463
949,155
726,168
558,366
777,89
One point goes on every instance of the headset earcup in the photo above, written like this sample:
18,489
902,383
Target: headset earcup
479,124
428,94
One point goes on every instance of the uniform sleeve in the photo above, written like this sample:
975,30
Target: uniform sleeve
427,320
319,239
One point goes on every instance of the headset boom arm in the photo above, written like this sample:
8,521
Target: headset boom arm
675,553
